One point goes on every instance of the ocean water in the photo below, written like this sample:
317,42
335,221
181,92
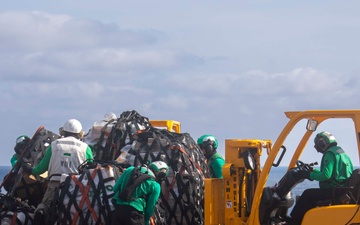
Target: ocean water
3,171
277,173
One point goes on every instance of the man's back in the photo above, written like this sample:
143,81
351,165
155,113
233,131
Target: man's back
68,154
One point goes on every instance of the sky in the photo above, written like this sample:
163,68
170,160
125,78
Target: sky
228,68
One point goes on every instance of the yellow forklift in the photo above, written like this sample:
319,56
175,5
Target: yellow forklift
241,197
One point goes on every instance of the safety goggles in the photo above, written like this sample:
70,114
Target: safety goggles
161,175
206,142
202,146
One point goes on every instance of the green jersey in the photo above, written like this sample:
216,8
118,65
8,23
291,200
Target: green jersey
336,167
215,163
144,197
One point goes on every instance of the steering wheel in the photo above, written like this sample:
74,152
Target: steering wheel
303,166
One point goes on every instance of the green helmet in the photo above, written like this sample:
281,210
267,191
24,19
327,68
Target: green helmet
206,139
208,144
323,141
21,143
160,169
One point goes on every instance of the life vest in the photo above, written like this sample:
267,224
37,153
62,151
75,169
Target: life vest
67,155
342,170
211,161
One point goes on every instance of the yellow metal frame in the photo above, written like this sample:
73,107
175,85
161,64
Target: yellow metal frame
295,117
247,209
242,181
334,215
238,184
171,125
214,210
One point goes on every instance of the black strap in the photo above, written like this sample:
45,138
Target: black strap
136,178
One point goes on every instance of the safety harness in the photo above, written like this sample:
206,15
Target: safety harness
136,178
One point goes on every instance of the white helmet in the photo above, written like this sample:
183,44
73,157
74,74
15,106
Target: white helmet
72,126
110,116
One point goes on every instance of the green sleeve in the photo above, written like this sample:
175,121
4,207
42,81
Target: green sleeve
44,163
217,166
151,201
121,181
89,154
327,167
14,159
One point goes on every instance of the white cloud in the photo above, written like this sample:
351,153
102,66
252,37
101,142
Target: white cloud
49,46
43,31
204,83
227,69
174,102
33,30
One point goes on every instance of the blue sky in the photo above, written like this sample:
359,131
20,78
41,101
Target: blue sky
227,68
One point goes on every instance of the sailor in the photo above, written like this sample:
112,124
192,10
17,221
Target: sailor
64,155
335,168
208,144
20,144
136,193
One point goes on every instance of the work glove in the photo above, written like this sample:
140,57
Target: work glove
27,168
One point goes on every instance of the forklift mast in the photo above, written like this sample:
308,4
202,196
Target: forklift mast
236,190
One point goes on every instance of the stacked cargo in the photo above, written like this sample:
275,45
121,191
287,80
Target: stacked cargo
131,141
85,198
134,142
